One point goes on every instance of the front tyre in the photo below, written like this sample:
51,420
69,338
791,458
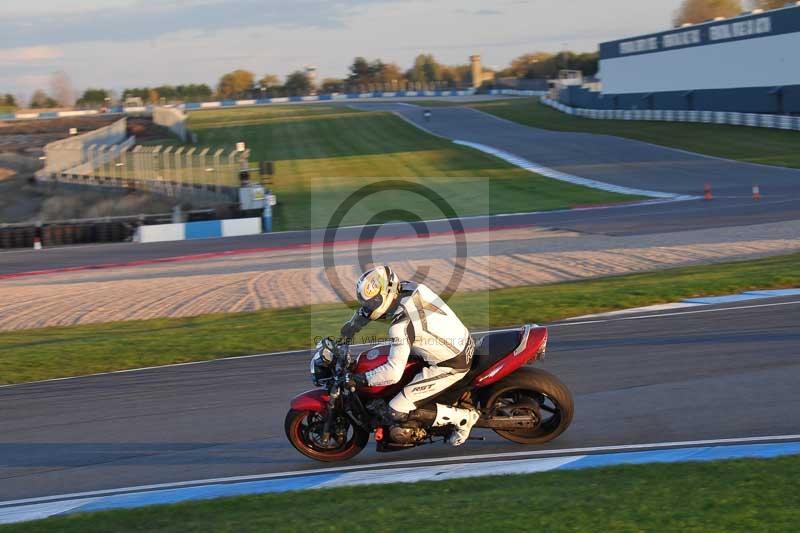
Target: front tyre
304,431
535,393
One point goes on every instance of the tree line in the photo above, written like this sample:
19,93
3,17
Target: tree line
368,74
694,11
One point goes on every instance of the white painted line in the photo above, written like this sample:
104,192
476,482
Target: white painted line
646,309
450,471
11,515
563,176
432,460
664,315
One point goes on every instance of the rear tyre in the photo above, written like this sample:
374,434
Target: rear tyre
536,393
304,431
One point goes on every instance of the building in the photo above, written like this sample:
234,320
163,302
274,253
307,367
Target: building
749,63
477,73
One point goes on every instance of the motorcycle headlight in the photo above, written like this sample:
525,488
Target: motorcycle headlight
319,370
325,350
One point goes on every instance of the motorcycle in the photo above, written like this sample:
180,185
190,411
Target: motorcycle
520,403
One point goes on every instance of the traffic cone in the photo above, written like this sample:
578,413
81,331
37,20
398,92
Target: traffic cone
707,192
756,192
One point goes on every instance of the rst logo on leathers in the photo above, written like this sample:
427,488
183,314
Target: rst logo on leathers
422,388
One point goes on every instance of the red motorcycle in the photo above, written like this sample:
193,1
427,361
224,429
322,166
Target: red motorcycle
520,403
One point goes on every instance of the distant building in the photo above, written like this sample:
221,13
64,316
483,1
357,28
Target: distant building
748,63
133,101
478,74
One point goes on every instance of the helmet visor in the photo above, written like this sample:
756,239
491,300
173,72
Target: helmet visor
372,304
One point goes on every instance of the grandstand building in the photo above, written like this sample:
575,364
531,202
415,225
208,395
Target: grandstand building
749,63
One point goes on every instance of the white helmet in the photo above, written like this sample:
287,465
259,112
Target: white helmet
377,291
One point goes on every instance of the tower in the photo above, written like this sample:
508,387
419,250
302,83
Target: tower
477,70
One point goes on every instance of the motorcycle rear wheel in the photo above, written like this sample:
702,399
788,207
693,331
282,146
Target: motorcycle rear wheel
302,430
535,392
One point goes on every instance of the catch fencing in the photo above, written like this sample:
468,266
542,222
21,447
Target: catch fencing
65,154
196,174
755,120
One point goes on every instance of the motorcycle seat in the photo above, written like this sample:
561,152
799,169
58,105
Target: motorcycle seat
494,346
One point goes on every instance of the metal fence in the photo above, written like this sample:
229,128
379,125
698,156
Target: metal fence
186,172
756,120
67,153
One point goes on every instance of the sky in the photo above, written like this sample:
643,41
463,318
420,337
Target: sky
127,43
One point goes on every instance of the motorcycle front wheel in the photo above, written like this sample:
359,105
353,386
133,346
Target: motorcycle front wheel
304,431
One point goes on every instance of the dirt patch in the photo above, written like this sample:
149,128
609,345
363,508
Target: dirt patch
146,130
6,173
54,125
30,136
23,200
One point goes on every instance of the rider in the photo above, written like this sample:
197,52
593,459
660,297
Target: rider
424,324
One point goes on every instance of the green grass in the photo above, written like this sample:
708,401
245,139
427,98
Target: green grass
325,152
742,495
30,355
755,145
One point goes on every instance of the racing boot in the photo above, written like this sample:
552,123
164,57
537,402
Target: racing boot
461,419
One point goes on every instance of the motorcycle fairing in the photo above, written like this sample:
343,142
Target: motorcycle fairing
315,400
534,338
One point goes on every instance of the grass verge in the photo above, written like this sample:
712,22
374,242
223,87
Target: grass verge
31,355
324,152
741,495
755,145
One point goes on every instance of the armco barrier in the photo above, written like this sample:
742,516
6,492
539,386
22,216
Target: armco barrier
207,229
138,110
755,120
516,92
327,98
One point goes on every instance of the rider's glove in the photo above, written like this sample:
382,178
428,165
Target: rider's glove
354,325
357,380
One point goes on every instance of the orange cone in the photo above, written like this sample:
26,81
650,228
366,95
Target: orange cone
756,192
707,192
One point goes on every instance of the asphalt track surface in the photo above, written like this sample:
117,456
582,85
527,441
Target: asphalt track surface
604,158
702,373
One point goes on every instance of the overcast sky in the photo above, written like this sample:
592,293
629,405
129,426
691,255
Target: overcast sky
125,43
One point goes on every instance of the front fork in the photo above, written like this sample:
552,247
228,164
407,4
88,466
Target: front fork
330,416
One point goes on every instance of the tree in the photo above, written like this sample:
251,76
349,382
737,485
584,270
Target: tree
694,11
523,65
93,97
9,100
425,70
40,99
153,97
768,4
235,84
297,83
456,74
360,72
269,80
61,89
332,85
